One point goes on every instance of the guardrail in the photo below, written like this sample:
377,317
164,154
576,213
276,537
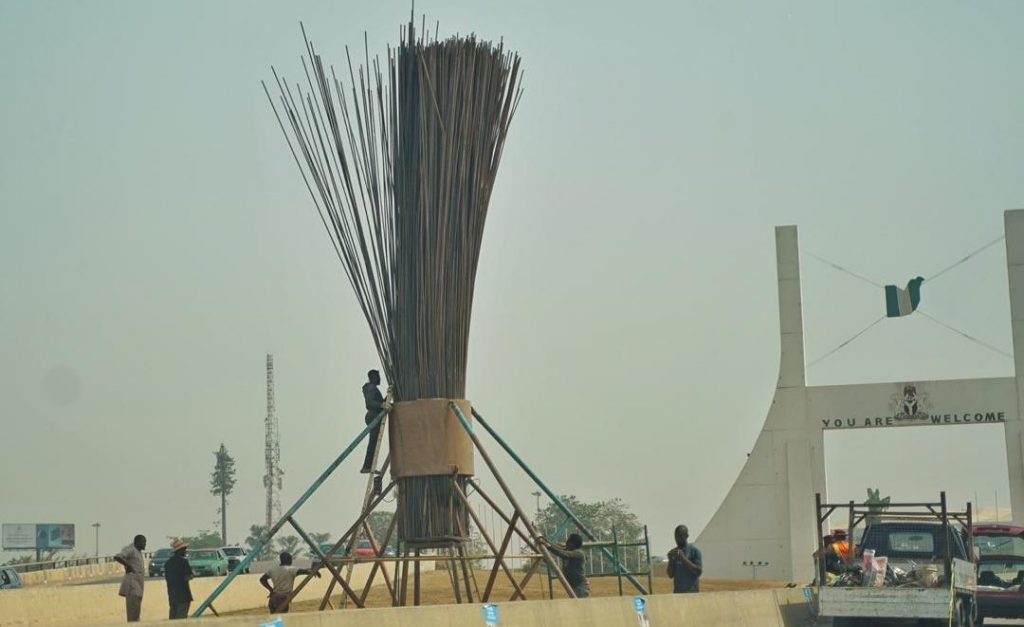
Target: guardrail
31,567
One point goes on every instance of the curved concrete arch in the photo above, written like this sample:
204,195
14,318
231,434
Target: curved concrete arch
768,514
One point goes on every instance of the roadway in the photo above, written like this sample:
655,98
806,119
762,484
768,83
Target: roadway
991,621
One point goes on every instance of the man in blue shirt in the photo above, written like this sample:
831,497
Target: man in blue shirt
685,564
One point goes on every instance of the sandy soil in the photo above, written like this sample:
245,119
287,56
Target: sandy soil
436,589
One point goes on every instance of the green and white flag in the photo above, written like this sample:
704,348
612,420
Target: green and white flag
903,301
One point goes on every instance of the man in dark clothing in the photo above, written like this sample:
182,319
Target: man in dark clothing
177,574
685,563
572,563
375,404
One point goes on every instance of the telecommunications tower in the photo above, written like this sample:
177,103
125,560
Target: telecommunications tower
272,451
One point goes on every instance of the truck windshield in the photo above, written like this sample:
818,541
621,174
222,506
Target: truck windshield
912,542
1000,545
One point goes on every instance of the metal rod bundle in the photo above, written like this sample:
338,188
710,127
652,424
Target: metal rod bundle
435,515
400,164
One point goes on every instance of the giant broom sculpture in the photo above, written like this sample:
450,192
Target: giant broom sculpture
400,166
401,175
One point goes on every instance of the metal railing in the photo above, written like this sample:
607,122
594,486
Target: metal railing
31,567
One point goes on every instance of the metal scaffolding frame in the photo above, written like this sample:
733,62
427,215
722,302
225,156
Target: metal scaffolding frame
464,585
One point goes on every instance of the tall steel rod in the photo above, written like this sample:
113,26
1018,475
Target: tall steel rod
416,580
512,500
819,554
453,574
263,541
557,501
465,572
398,568
405,579
647,545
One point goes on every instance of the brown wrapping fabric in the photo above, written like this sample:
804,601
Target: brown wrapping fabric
427,438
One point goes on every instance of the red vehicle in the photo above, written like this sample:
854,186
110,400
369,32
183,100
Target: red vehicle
1000,571
364,550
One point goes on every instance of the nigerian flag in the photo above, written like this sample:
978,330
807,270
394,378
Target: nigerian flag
901,301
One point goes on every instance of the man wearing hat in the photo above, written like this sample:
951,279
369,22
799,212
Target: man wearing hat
177,573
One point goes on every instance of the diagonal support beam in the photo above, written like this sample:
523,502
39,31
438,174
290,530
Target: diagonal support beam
530,542
334,571
265,540
557,501
351,530
493,576
512,500
378,565
529,575
499,555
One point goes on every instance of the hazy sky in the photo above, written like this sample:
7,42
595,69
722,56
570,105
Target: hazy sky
156,242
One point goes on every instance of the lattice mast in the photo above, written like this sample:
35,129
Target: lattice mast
272,451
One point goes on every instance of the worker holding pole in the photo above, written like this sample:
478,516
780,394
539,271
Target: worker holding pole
571,554
280,581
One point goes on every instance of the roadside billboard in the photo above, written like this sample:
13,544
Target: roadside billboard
20,537
16,537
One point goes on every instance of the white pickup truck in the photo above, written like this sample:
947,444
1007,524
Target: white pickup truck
923,569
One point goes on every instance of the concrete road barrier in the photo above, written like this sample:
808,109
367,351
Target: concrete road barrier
99,604
71,574
756,608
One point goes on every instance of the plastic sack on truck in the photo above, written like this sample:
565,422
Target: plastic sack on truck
874,569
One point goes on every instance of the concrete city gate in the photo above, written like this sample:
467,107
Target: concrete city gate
768,515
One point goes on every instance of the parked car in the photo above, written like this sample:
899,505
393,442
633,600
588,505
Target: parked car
1000,571
9,579
364,550
157,561
235,555
208,562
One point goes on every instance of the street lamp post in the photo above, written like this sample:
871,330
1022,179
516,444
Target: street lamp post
536,517
96,526
754,566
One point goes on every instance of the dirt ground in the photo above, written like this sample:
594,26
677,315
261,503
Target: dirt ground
436,589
